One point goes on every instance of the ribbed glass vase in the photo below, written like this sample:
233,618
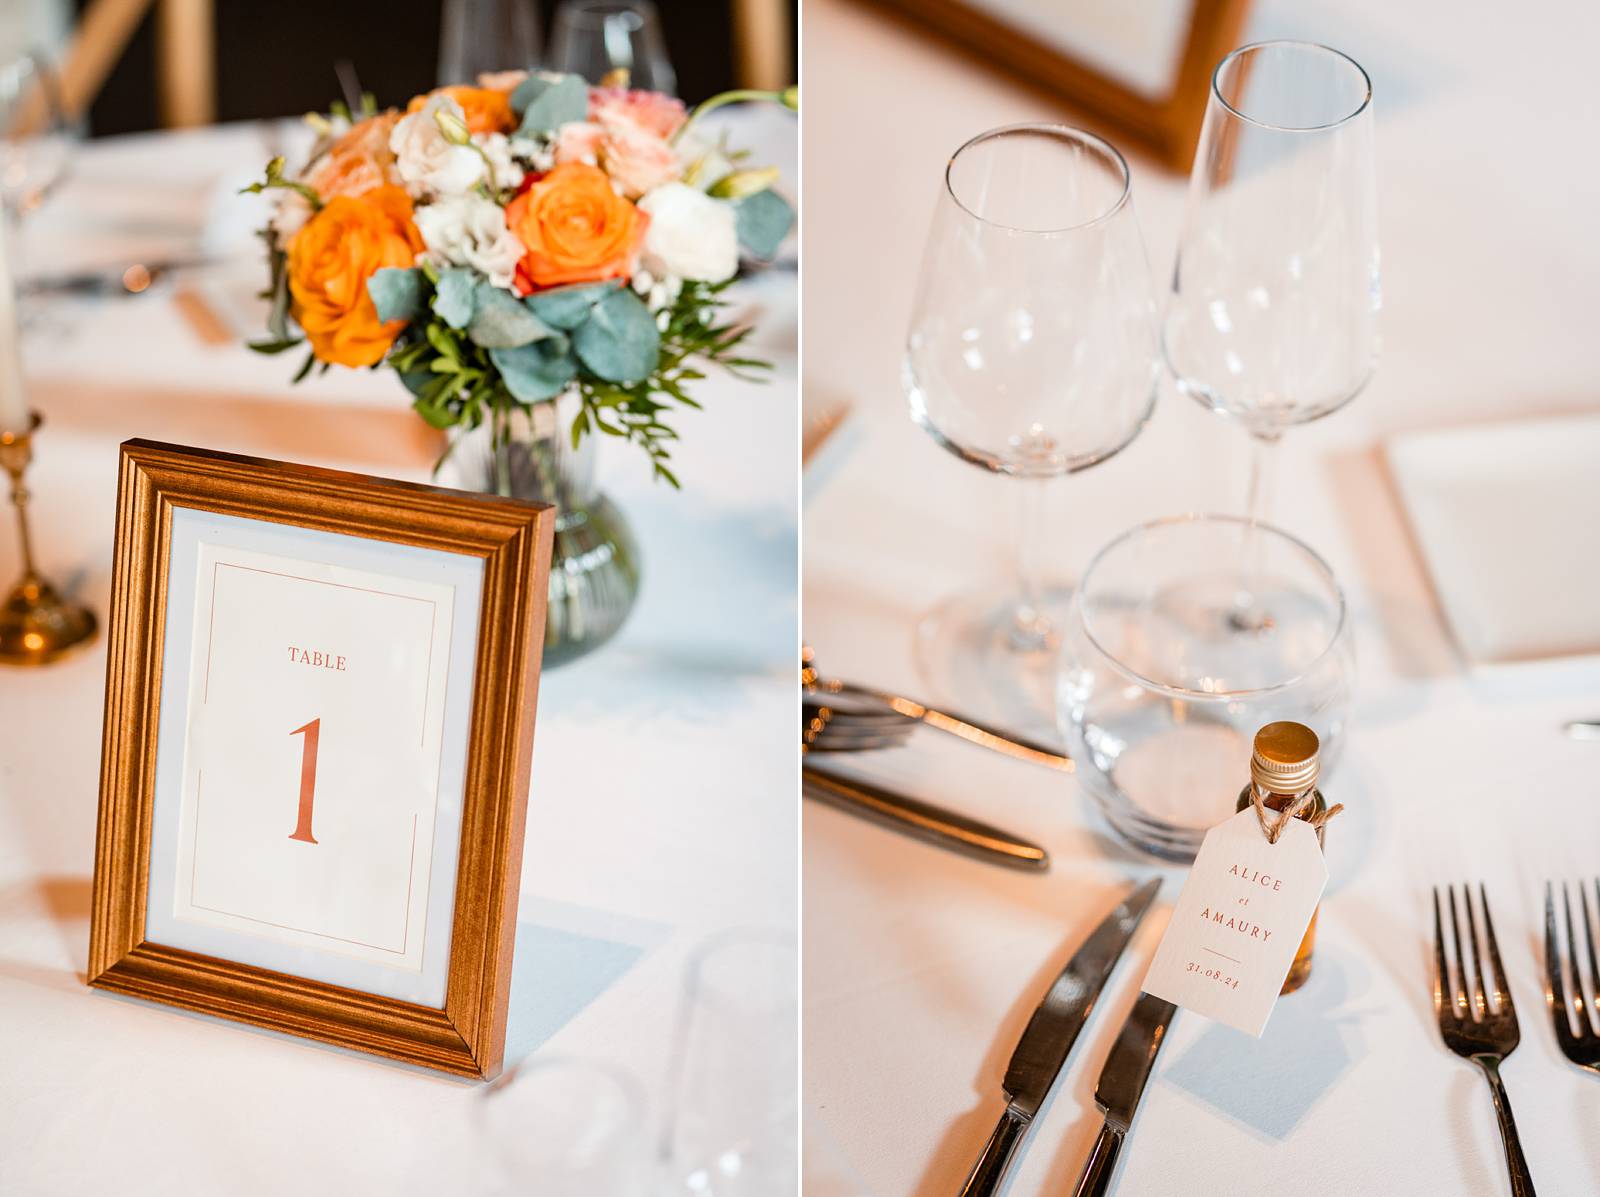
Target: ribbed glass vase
594,566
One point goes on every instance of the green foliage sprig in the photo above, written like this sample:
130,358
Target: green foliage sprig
695,333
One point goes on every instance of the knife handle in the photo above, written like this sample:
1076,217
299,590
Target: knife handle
924,820
991,1167
1096,1178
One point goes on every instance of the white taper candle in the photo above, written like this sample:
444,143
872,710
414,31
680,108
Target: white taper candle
13,395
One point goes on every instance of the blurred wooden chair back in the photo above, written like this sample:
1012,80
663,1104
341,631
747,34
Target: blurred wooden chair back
763,43
185,56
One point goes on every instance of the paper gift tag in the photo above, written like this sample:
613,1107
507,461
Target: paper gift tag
1238,922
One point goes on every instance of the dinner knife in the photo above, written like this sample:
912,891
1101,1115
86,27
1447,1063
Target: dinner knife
946,828
1121,1084
1050,1034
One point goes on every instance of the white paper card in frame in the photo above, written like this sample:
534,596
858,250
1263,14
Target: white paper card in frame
1239,921
309,776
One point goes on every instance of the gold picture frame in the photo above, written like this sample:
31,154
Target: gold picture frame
513,541
1167,127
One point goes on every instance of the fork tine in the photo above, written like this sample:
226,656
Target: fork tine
1574,961
1460,995
1502,987
1552,960
1441,974
1479,1002
1593,992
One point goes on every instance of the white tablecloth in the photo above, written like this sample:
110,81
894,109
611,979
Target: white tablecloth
921,968
663,779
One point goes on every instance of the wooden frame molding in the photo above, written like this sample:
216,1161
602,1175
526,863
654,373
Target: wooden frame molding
513,538
1168,128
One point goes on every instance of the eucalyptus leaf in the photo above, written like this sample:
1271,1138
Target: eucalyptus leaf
502,322
551,103
568,307
537,371
397,292
763,221
619,341
454,297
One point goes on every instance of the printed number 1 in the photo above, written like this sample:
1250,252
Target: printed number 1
308,780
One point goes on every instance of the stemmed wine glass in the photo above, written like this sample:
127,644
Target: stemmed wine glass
1273,314
478,37
1032,353
604,38
35,134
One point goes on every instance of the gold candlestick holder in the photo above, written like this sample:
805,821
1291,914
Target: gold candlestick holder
37,625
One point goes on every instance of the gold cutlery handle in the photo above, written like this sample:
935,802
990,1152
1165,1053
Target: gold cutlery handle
925,821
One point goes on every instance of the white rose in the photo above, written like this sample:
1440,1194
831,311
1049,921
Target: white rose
468,230
691,235
427,160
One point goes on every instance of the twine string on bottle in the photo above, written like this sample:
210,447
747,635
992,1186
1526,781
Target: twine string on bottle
1273,822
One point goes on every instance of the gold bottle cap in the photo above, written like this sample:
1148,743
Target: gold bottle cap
1287,758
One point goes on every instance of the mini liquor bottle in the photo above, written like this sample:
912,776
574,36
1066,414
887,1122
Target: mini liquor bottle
1284,768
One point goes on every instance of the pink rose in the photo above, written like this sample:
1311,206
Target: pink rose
649,110
636,158
579,142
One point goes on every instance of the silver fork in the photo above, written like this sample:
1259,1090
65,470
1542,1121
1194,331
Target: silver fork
826,728
1476,1029
1581,1046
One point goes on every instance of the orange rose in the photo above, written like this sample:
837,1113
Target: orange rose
487,110
330,261
575,229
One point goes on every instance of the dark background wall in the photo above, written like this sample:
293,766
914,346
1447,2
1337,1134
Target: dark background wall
275,57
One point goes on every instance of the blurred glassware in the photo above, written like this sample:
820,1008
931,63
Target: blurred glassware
478,37
564,1127
733,1122
36,136
599,38
1160,694
1031,353
1273,314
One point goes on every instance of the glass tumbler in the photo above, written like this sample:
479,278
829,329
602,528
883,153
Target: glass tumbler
1159,696
733,1123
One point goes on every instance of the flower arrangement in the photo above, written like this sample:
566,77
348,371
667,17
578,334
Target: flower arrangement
502,244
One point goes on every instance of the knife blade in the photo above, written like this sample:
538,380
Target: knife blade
1121,1084
1050,1034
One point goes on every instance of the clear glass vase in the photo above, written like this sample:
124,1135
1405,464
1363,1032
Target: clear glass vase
594,565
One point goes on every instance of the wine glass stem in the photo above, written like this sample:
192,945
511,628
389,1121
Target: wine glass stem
1030,630
1263,459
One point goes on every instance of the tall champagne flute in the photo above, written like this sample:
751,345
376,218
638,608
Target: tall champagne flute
1032,353
1273,315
